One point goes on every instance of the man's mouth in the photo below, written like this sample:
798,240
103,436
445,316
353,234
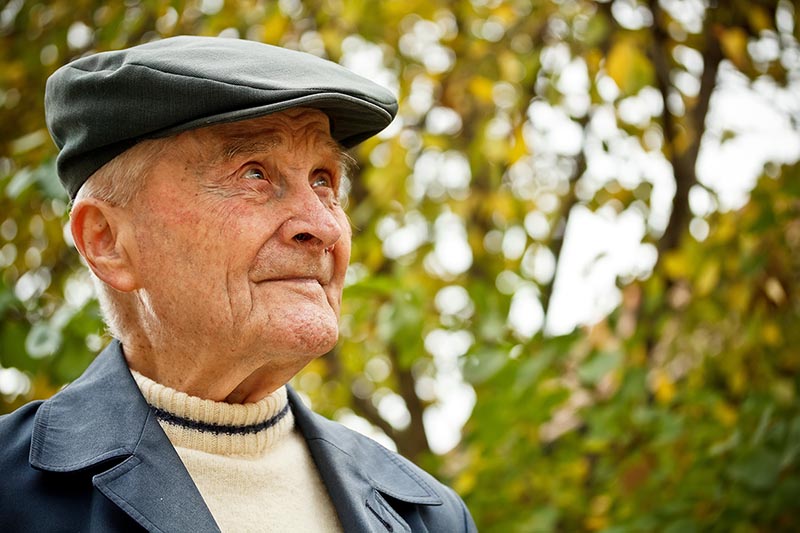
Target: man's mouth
295,279
302,284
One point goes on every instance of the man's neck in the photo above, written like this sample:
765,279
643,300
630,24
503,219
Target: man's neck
203,376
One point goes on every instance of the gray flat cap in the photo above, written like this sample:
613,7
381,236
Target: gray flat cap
100,105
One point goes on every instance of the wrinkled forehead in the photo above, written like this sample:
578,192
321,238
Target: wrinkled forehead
292,130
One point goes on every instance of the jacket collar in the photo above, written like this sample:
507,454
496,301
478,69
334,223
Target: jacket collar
101,424
359,472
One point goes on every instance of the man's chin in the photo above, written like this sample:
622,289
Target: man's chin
311,331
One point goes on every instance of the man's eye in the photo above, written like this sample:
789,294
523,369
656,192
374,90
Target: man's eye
254,174
322,180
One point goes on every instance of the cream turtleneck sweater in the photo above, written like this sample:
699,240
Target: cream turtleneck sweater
249,462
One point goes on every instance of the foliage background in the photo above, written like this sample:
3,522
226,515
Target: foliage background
677,410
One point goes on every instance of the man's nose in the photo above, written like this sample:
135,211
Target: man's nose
312,223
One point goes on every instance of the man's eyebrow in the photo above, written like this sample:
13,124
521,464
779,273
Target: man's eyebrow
246,145
237,146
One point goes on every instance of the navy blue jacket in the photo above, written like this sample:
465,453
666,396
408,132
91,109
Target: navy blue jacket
94,458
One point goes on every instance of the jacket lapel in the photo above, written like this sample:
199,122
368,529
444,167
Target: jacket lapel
360,474
102,423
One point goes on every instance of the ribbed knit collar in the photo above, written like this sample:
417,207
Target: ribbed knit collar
218,427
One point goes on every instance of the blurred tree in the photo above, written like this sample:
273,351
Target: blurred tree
677,410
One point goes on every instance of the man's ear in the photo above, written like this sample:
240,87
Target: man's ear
102,233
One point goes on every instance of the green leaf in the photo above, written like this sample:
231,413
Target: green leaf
598,366
483,364
23,179
683,525
531,370
12,346
544,520
758,469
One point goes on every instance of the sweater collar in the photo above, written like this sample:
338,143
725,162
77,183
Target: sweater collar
218,427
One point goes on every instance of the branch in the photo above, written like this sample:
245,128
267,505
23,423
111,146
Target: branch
413,440
712,57
366,409
570,200
660,56
683,161
362,406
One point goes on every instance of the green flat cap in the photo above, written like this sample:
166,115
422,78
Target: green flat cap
100,105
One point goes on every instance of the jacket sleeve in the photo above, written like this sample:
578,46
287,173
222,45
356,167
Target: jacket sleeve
468,523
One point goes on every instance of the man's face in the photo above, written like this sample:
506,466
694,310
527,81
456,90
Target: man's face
241,244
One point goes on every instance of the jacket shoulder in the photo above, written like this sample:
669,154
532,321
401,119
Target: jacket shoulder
444,511
16,430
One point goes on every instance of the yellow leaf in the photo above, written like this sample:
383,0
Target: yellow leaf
708,278
759,18
734,45
518,147
637,355
676,265
465,482
593,58
594,445
600,505
577,469
511,68
496,150
737,382
663,387
481,88
771,334
628,66
505,12
726,414
725,230
739,297
783,391
273,27
501,205
596,523
682,141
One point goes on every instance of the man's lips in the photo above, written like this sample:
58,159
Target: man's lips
293,279
307,287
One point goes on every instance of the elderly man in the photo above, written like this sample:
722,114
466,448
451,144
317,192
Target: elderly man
206,179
